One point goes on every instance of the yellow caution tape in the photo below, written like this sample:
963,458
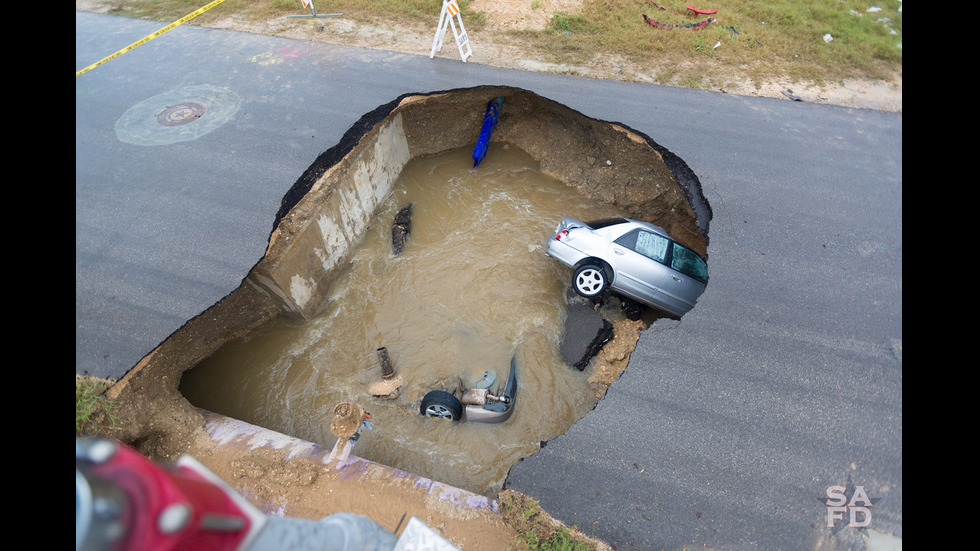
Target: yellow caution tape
148,38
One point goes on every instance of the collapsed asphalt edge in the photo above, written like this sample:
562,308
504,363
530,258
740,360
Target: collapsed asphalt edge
687,181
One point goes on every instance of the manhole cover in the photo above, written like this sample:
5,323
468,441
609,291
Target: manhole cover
182,113
165,119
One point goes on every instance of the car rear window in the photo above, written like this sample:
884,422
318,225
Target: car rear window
605,222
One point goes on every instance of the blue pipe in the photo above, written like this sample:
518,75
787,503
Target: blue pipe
489,122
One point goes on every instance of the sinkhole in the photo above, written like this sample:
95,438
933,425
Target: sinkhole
470,290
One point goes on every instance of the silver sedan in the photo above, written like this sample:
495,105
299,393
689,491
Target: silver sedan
632,258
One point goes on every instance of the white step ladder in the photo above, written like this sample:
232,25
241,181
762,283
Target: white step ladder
450,9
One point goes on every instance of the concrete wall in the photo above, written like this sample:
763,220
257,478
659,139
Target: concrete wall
317,236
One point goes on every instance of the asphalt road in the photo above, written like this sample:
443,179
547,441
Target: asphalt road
727,428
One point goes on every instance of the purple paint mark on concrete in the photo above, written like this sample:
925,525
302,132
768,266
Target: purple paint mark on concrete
464,498
267,507
278,511
424,483
224,430
354,469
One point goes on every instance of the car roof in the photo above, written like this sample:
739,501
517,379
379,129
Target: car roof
633,224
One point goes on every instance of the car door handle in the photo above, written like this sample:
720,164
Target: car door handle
676,278
619,251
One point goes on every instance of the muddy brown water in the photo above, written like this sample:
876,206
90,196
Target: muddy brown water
472,287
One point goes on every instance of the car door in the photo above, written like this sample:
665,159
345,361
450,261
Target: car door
638,259
679,291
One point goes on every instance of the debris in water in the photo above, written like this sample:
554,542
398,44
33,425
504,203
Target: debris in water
387,371
349,419
486,380
390,384
400,228
386,388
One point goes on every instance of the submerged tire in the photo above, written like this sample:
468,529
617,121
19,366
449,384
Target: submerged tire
442,405
590,280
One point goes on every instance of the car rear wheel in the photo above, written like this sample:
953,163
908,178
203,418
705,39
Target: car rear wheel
442,405
590,280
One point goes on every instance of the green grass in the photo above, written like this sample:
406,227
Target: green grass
560,540
756,39
93,411
765,38
536,531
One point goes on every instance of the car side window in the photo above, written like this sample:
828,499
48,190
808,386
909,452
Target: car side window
687,262
648,244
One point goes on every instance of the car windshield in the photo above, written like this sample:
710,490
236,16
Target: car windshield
687,262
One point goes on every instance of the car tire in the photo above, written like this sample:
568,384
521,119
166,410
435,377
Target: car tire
441,405
590,280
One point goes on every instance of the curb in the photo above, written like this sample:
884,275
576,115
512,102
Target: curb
230,434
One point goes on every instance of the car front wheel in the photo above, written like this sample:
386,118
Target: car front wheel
590,280
442,405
